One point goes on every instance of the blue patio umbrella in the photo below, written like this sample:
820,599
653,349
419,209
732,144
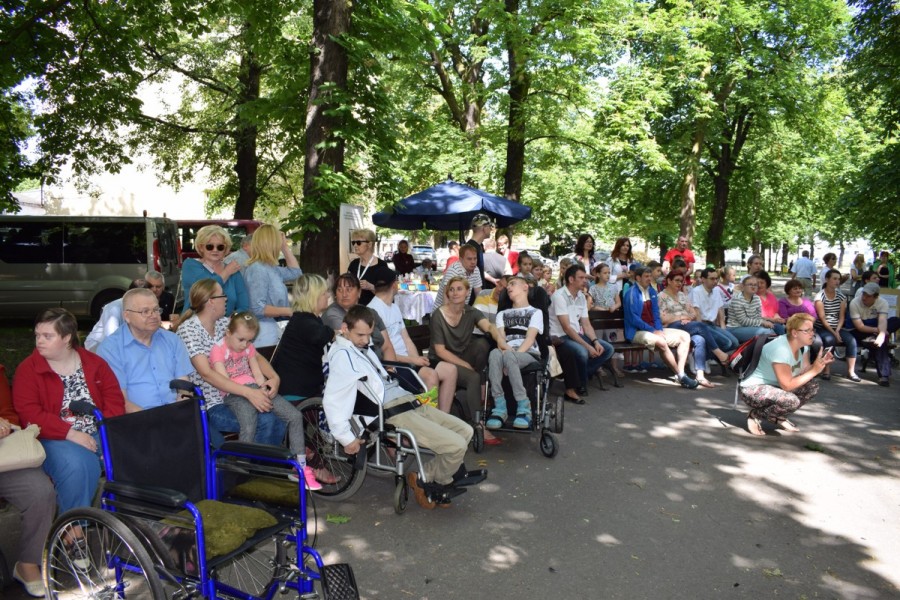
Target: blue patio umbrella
450,206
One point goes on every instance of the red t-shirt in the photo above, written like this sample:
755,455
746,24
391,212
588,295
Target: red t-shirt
688,257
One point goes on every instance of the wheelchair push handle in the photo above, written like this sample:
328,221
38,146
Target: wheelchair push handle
185,387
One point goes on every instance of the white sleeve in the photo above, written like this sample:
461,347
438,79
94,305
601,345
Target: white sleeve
340,396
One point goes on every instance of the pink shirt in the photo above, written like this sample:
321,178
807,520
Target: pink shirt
769,305
237,364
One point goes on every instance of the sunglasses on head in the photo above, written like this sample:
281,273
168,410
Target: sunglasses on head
219,247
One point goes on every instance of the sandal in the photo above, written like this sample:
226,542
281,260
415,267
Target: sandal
788,426
706,383
754,426
574,400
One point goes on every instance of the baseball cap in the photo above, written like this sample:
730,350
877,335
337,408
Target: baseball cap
871,289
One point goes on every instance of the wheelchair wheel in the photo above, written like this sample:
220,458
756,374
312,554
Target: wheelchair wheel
478,438
327,453
111,560
549,445
253,571
401,495
559,413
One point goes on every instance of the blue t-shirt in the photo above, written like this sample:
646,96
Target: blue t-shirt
776,351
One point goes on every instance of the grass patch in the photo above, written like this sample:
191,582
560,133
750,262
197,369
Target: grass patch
17,341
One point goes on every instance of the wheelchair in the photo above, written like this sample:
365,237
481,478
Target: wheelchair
547,414
148,540
390,451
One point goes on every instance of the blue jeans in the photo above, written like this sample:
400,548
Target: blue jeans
881,354
724,338
745,333
75,472
587,366
846,337
269,428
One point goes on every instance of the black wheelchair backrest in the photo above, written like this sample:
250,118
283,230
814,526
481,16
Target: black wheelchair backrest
161,446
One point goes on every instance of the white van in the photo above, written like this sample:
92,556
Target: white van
80,263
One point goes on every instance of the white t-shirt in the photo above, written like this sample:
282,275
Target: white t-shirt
393,322
562,303
708,303
517,321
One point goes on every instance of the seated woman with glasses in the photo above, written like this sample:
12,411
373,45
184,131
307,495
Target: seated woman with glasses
745,318
784,379
213,244
368,268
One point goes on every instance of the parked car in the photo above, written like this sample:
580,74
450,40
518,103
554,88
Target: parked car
236,228
80,263
420,253
535,254
442,254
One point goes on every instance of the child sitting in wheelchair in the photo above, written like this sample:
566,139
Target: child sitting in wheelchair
518,329
353,367
235,357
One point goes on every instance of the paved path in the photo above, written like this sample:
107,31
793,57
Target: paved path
657,492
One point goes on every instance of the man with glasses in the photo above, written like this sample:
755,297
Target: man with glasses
145,357
709,300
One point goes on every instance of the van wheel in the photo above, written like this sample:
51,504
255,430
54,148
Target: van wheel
102,299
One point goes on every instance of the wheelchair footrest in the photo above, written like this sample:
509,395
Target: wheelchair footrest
338,582
463,478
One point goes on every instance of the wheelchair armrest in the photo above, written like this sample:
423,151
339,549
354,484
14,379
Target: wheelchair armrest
146,493
396,363
257,450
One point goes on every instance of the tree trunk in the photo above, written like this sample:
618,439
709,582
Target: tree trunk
784,254
688,220
324,150
246,133
726,156
519,83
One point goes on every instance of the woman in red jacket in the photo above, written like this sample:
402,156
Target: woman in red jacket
58,372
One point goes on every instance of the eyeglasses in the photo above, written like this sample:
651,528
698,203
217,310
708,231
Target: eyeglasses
358,242
219,247
146,312
751,285
806,330
219,296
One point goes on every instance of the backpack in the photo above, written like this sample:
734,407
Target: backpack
745,358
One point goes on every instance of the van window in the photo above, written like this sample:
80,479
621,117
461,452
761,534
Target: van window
31,243
100,243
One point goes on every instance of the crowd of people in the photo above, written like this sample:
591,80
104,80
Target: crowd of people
256,350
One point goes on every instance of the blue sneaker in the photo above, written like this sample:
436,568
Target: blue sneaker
687,382
496,420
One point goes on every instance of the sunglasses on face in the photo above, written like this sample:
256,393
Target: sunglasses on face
219,247
358,242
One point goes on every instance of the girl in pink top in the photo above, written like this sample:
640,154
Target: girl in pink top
235,357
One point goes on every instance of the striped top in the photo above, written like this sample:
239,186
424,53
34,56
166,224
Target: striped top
832,307
744,313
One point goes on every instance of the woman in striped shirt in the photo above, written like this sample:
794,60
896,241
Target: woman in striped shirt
831,307
745,318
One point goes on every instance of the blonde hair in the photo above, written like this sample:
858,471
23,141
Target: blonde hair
454,279
265,244
245,318
201,292
796,321
207,233
368,234
307,290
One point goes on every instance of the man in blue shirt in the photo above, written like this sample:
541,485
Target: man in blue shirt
144,357
804,270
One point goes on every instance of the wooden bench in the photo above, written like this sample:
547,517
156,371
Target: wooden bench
601,319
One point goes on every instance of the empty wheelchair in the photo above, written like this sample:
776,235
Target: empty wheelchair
175,525
390,451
